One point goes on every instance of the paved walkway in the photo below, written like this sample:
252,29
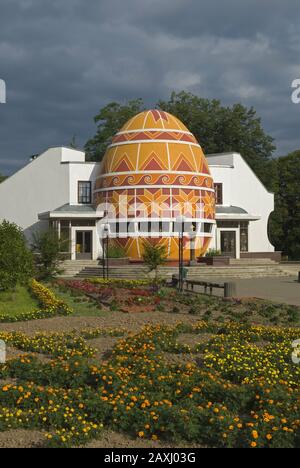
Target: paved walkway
278,289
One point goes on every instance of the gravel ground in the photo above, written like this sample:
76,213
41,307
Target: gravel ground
112,439
21,439
111,320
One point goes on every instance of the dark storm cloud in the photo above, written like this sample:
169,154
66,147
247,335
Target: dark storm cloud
62,61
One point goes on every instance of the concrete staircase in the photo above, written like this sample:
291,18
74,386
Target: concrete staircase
86,269
252,261
71,268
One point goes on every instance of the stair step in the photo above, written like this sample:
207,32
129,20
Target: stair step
239,268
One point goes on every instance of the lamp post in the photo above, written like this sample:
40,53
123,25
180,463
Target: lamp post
180,220
105,265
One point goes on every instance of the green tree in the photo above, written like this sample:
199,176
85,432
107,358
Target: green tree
2,178
223,129
217,128
109,120
16,264
47,247
154,256
285,220
73,143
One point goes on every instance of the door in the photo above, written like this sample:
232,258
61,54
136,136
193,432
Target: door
228,243
84,245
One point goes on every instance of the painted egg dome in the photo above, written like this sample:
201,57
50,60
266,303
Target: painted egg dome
153,174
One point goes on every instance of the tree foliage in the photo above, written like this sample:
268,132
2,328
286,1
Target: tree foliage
16,264
217,128
2,178
154,256
224,129
285,220
109,120
47,247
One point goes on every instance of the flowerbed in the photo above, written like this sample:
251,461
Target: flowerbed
48,300
62,345
120,298
50,305
254,403
123,283
81,286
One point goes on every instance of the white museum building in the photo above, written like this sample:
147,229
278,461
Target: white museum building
56,189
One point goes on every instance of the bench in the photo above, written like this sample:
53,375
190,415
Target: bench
229,288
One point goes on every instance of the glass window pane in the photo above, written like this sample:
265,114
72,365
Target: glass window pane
85,192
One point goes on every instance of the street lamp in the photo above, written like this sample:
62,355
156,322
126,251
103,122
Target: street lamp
181,220
105,266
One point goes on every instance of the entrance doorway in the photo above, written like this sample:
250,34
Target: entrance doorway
228,243
84,245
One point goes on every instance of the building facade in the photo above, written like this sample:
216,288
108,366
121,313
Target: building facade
243,208
57,189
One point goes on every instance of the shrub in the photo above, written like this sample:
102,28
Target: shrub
115,251
213,253
16,264
154,256
47,247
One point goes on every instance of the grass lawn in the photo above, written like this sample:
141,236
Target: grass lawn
17,302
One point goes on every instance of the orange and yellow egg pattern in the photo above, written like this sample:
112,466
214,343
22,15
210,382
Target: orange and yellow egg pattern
154,159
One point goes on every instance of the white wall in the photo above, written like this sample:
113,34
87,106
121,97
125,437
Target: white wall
242,188
223,175
43,185
81,172
255,199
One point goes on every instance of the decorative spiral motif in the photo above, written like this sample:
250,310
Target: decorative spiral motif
116,181
182,180
166,180
131,180
148,179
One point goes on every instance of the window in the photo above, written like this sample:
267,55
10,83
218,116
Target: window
83,222
218,193
244,236
208,227
227,224
85,192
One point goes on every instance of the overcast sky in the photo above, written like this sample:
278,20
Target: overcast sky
64,59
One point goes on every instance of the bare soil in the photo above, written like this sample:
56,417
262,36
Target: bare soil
131,322
104,344
110,439
21,438
192,339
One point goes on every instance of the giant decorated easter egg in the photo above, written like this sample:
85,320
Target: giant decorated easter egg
153,177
